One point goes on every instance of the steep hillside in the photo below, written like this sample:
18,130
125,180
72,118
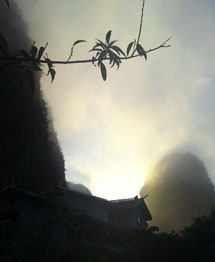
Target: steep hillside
30,155
179,190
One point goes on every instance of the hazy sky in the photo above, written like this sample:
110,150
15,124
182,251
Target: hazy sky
112,132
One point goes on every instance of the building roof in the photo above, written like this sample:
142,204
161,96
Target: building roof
120,204
81,194
133,203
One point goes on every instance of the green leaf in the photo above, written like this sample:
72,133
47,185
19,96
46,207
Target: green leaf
112,56
97,45
118,50
97,54
49,63
53,73
111,43
113,59
114,49
101,56
103,71
114,62
108,35
79,41
129,48
103,45
40,53
118,63
33,51
141,51
96,49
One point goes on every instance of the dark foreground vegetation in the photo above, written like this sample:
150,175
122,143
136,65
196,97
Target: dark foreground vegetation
71,236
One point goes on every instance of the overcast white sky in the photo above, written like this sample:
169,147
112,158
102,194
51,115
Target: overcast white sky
112,132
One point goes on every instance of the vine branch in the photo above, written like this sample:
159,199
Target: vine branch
141,22
29,62
65,62
140,29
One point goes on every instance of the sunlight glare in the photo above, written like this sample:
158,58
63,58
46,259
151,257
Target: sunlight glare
126,185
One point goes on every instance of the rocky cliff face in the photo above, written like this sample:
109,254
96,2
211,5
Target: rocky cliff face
179,190
30,155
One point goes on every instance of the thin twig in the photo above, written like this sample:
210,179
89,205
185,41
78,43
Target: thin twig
80,61
140,29
141,23
160,46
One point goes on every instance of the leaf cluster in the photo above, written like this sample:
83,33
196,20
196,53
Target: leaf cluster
30,63
27,62
108,50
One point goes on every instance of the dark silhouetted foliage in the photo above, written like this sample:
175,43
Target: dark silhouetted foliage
30,59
